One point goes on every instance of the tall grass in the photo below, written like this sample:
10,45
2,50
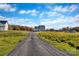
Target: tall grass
68,42
9,40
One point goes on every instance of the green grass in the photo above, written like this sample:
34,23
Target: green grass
67,42
9,40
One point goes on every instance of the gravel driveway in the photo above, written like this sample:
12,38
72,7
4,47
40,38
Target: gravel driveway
33,46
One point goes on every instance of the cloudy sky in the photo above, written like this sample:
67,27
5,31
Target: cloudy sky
51,15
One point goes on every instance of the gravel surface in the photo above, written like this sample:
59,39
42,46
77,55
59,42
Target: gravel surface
33,46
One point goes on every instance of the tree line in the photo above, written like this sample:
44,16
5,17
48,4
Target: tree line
65,29
18,27
26,28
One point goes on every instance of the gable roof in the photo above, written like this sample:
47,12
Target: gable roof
2,22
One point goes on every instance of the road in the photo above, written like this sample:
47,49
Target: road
33,46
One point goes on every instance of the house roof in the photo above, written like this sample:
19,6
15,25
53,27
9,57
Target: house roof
2,22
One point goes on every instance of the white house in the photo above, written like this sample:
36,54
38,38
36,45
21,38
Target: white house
3,25
39,28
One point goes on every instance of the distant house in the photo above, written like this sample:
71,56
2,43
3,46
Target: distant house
71,31
36,29
3,25
39,28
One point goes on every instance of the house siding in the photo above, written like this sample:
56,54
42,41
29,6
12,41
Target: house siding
39,28
5,25
2,28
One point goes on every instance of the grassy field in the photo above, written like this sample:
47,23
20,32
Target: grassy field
9,40
68,42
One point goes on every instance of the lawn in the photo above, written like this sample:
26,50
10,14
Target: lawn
9,40
67,42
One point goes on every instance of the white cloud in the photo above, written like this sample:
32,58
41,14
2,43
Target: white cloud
31,24
7,7
2,18
53,14
73,8
12,9
22,12
42,14
16,21
58,11
61,22
53,21
61,8
76,19
33,12
19,21
65,9
28,11
58,8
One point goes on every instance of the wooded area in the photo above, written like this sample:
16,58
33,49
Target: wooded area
18,27
65,29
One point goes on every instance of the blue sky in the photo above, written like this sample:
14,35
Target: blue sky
52,15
